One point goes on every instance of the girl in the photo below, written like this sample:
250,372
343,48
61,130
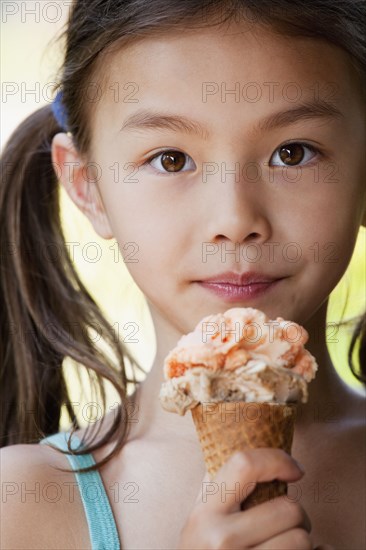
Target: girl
221,136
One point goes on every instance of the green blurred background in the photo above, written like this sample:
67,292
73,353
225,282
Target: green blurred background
29,63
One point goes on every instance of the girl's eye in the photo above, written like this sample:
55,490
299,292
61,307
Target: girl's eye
169,161
291,154
172,161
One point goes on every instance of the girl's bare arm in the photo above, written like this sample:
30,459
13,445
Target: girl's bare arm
41,507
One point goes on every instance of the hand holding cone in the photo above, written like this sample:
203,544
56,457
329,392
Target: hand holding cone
224,428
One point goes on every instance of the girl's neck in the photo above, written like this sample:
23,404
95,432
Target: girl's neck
330,398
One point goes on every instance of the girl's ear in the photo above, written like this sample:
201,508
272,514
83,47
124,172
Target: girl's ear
77,178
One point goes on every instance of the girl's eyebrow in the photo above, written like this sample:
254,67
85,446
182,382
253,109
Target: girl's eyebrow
149,119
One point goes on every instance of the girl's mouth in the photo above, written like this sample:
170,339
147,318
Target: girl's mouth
233,293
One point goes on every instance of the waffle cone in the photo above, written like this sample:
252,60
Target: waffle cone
226,427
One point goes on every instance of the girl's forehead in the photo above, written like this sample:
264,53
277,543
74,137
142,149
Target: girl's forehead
240,52
240,70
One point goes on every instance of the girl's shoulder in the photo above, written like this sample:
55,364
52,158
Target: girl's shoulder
40,507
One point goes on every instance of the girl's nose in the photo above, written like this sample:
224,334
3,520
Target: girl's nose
237,211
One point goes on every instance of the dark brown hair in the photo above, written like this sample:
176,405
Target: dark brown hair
41,298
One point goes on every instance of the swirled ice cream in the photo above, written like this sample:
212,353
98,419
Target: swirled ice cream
239,355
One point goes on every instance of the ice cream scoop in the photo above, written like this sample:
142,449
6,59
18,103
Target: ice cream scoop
239,355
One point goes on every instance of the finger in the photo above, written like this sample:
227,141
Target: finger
296,538
206,479
281,515
236,479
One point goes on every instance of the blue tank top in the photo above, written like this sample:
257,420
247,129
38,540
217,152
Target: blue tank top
102,526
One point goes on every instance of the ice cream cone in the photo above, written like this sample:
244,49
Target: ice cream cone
226,427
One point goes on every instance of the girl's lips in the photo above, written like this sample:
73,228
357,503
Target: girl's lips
234,293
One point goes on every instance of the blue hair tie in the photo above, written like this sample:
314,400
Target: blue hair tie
59,110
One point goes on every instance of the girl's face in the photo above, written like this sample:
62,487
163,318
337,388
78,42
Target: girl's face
266,172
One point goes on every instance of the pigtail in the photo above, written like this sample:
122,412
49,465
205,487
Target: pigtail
46,313
359,333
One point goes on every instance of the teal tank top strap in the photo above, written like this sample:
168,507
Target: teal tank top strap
102,526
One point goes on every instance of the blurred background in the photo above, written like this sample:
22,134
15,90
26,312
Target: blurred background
30,60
